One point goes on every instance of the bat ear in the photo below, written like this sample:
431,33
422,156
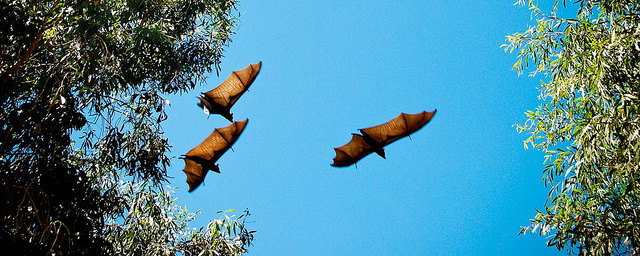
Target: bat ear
216,168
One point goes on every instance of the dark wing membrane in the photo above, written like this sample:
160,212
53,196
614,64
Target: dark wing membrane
399,127
195,173
229,134
229,91
218,142
352,152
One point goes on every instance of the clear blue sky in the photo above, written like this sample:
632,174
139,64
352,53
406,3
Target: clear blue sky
463,185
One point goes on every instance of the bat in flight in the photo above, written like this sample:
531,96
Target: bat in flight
202,158
221,99
374,139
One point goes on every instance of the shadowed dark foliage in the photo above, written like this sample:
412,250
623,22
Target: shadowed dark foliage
81,107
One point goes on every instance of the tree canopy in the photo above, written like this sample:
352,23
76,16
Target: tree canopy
81,108
589,123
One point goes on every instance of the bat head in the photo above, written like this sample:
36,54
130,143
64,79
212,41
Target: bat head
381,153
228,116
206,107
215,168
209,166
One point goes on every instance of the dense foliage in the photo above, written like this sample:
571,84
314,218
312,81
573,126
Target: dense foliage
589,123
155,225
81,107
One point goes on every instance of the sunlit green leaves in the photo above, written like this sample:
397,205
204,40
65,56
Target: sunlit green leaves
153,224
588,125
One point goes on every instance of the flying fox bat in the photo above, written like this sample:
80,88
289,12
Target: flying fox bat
374,139
221,99
202,158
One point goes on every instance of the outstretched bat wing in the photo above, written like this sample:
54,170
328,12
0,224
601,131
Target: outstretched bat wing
352,152
229,91
202,158
195,171
399,127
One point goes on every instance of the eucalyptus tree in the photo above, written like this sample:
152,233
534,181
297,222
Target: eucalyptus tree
588,124
81,112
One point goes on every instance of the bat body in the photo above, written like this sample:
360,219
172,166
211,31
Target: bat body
202,158
374,139
221,99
